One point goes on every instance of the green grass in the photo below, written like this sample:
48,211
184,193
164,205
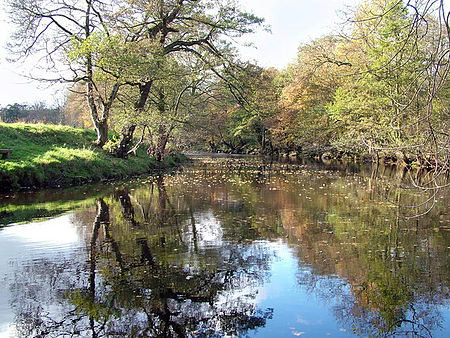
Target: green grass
60,156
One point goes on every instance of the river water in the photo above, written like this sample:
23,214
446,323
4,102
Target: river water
228,247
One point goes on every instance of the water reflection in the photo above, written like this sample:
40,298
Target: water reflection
233,249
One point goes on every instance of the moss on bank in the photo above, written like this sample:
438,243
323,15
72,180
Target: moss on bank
61,156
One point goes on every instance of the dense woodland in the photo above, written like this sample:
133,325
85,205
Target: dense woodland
167,74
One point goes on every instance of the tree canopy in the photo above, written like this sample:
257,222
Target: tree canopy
167,72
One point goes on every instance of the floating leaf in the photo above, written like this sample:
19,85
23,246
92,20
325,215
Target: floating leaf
297,333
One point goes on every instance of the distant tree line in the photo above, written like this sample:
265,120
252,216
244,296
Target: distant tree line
38,112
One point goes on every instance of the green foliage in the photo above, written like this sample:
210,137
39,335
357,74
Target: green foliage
244,104
38,112
168,70
158,52
379,89
383,101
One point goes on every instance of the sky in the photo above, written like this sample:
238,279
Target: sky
292,22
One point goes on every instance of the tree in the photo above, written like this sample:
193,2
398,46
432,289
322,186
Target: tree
108,45
404,70
76,110
176,101
202,29
253,93
396,100
37,112
66,35
372,106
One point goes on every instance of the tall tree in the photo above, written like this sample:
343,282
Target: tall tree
13,112
246,97
202,29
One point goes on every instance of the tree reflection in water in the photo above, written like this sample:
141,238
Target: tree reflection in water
186,255
143,279
388,275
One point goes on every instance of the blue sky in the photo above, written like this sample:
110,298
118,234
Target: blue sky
292,22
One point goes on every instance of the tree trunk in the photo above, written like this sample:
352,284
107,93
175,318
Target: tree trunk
101,127
126,139
100,123
160,150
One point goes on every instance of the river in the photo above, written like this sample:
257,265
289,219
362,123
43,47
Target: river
231,247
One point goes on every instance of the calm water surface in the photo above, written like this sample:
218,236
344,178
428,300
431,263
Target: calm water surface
227,247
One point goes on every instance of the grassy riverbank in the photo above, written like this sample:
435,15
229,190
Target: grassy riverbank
60,156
